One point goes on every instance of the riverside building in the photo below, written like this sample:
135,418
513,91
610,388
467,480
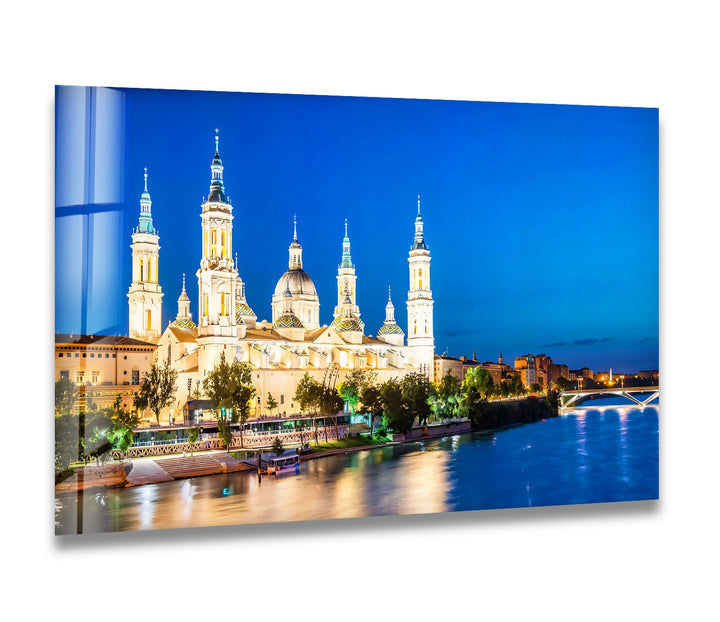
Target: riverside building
280,351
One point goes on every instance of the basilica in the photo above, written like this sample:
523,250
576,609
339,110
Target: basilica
294,342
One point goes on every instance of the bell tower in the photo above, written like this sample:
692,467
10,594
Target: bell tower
420,339
145,294
217,276
346,279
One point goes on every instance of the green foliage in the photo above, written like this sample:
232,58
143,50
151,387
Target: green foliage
371,401
417,392
330,401
396,412
224,432
307,393
447,399
157,390
66,394
123,422
192,437
563,384
479,379
230,386
489,415
553,399
277,446
351,387
271,402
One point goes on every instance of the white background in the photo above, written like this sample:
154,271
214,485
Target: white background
642,561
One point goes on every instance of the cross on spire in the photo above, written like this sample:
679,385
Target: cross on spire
146,179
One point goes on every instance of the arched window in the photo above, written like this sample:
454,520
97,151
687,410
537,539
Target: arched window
141,269
414,327
205,305
222,304
149,317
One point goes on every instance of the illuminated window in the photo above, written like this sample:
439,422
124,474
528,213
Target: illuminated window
80,377
149,317
414,327
205,305
222,304
141,268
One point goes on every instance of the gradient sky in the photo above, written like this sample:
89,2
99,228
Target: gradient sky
541,220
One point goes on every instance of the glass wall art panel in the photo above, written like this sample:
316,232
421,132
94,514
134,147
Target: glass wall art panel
277,308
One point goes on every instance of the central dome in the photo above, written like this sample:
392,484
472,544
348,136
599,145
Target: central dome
298,282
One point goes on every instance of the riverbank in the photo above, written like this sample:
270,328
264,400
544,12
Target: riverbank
486,416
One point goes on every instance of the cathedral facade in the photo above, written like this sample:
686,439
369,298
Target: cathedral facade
280,351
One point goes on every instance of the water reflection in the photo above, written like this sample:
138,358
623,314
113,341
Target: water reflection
583,457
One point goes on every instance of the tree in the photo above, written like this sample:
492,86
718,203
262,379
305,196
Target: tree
307,393
397,413
229,387
331,404
271,403
553,398
416,393
277,446
447,398
157,390
351,387
372,404
66,394
480,379
516,385
224,432
192,437
123,422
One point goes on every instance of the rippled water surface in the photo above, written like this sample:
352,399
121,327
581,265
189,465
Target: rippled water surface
593,455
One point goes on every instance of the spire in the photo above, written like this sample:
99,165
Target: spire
389,310
295,262
346,259
217,188
145,224
419,241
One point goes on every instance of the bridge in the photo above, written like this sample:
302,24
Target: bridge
571,399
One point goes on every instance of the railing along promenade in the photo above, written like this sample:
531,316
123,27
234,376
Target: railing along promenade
249,441
572,399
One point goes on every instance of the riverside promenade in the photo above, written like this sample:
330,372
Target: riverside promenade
167,468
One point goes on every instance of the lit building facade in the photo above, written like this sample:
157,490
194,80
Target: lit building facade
281,351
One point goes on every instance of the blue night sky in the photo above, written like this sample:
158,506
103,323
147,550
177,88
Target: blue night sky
541,220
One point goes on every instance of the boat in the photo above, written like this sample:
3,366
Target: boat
286,462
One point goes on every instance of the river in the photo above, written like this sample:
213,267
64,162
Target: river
588,456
